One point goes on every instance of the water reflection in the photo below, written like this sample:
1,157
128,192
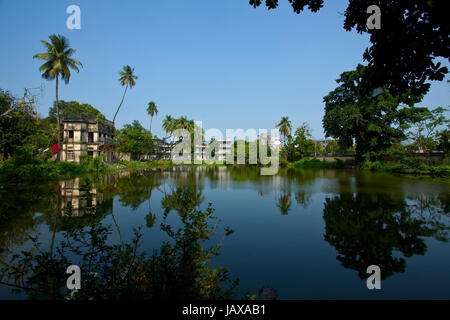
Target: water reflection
368,218
371,229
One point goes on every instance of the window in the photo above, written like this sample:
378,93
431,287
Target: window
90,137
70,134
70,155
91,153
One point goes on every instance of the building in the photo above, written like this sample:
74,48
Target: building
90,136
217,150
164,150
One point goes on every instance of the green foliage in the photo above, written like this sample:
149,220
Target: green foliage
18,126
285,128
408,165
135,139
413,34
301,146
424,130
179,270
316,163
354,114
75,110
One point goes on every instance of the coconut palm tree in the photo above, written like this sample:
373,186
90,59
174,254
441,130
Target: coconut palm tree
168,124
127,79
285,128
152,110
58,63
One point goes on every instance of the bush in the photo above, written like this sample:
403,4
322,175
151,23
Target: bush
440,171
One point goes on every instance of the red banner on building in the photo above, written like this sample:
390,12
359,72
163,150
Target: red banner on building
55,149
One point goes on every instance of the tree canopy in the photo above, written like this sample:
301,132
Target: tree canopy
403,52
354,114
135,139
74,109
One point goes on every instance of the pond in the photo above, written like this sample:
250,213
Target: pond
309,234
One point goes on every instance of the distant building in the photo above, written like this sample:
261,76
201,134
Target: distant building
89,136
163,150
219,153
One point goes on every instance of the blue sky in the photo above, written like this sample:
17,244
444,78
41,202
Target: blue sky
219,61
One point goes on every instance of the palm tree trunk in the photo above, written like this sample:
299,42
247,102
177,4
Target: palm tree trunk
57,212
58,120
151,120
123,97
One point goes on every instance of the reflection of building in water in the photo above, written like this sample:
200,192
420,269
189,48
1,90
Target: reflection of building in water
79,196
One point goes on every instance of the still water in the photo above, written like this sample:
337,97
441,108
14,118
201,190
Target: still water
310,234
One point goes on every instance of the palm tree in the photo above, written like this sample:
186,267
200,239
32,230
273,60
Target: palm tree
58,63
152,110
127,79
169,124
285,128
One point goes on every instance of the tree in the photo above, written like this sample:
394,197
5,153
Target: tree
353,113
152,110
168,124
74,110
424,129
444,141
17,123
413,34
285,128
303,144
135,139
127,79
58,63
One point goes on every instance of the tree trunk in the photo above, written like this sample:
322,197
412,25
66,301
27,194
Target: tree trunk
123,97
151,120
58,121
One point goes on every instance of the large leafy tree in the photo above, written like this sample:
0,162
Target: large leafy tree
424,132
403,52
17,125
58,62
74,109
135,139
152,110
128,80
353,113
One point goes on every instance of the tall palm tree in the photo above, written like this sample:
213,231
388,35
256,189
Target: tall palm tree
152,110
58,63
168,124
127,79
285,128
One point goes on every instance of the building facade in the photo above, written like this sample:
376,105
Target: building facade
92,137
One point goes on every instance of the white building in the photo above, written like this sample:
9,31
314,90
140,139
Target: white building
217,150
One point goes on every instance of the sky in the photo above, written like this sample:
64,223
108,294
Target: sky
221,62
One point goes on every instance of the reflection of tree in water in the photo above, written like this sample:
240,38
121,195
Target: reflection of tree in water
367,229
284,203
137,189
181,269
303,198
